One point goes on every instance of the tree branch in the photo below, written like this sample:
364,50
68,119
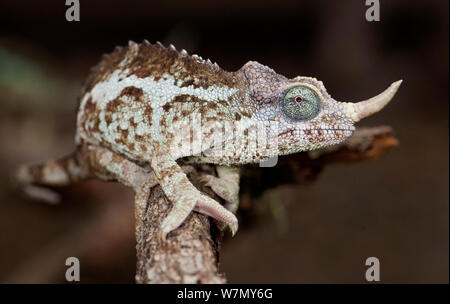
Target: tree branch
190,253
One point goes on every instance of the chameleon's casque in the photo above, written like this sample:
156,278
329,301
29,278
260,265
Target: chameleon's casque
147,105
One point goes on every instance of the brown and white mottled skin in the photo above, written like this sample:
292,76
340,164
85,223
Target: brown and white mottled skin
148,107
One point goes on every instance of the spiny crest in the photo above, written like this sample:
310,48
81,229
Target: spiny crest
146,59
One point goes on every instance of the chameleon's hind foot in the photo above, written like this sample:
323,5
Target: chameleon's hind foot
41,194
33,180
24,177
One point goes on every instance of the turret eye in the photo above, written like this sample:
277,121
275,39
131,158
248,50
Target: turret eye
300,103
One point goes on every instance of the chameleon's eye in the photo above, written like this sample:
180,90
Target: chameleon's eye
298,99
300,103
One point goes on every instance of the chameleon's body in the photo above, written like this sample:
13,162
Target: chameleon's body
144,104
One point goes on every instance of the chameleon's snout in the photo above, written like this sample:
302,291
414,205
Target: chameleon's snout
362,109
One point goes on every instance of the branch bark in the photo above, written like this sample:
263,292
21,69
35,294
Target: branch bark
190,253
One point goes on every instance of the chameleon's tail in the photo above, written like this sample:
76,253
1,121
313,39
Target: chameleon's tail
32,180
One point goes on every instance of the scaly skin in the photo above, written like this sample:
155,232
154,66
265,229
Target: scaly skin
147,106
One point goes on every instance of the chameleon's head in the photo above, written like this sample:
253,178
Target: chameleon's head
305,115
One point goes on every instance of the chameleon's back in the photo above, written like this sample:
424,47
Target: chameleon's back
140,98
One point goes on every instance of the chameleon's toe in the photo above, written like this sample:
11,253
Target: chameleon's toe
163,233
212,208
226,189
233,226
173,220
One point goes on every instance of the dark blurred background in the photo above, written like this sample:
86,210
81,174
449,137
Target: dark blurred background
395,208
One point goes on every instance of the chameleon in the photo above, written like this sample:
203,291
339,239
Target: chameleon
150,110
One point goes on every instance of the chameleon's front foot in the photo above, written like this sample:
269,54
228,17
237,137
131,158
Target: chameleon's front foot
186,198
203,204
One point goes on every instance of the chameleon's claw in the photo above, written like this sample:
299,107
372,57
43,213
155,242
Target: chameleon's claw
234,228
176,217
163,234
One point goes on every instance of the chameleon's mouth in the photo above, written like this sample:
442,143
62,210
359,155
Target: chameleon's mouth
319,132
